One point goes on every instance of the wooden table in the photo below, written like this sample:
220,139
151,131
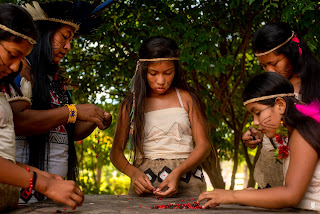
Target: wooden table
94,204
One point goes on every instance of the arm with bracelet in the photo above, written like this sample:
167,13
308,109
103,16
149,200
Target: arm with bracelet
66,192
32,122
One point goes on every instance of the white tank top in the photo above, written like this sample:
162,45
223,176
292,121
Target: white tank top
168,133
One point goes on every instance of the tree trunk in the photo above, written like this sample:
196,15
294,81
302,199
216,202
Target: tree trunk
212,167
235,158
252,182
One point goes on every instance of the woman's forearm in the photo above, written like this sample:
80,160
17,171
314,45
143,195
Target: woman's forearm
33,122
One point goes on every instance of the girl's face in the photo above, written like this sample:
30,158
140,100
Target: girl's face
267,118
276,63
11,54
160,76
61,42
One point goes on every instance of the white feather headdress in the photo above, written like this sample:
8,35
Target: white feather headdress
38,13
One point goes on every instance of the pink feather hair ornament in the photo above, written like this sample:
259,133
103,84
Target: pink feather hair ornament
311,110
296,40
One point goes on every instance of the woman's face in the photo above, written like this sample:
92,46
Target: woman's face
61,42
160,76
276,63
11,54
266,118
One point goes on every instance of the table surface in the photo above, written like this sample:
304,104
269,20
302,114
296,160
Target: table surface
127,204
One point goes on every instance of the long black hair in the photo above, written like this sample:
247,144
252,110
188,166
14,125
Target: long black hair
306,65
41,66
270,83
154,47
19,20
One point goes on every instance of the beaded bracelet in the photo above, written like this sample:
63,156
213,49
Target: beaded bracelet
72,113
25,193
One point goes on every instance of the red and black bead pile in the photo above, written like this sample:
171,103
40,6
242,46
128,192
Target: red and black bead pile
193,205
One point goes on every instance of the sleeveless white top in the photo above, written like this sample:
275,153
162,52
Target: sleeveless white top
311,200
168,133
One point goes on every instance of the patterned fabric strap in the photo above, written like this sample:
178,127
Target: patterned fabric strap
72,113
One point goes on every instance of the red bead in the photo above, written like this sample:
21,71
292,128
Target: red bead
27,168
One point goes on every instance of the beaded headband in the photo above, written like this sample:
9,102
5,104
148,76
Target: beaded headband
159,59
5,28
38,14
267,97
279,46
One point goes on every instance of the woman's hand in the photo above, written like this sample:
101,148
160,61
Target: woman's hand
92,113
107,120
252,138
141,183
50,175
171,182
66,192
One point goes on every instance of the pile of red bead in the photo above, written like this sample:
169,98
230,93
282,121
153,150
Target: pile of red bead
193,205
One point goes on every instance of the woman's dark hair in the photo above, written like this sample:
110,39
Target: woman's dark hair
154,47
271,83
306,66
41,66
19,20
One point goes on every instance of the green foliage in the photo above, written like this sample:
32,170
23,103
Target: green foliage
96,173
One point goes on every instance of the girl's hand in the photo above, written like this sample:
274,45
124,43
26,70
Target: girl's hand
215,198
171,182
252,138
141,183
66,192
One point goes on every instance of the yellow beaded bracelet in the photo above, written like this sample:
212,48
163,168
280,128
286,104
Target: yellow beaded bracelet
72,113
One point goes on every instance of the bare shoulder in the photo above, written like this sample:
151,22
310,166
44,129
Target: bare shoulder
186,99
299,143
185,96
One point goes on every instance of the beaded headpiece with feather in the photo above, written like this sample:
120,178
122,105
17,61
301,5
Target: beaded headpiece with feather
69,13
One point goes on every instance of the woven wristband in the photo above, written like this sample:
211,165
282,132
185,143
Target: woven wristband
72,113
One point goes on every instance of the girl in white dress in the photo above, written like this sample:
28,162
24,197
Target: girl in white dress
166,125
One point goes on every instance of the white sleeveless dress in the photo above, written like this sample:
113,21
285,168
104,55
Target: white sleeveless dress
168,142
